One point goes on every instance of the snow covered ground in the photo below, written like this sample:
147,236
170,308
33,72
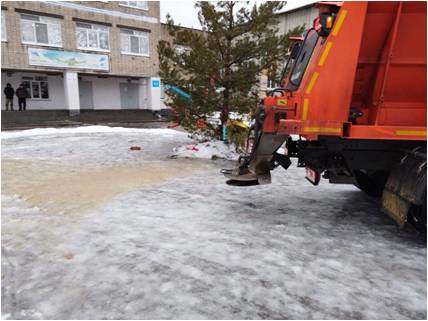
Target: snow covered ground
206,150
92,230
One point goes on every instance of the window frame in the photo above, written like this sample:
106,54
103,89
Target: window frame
35,32
87,37
3,25
135,7
30,89
302,60
147,34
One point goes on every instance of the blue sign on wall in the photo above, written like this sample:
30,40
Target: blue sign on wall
155,83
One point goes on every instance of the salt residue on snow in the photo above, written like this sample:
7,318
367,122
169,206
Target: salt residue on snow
18,211
88,129
15,206
207,150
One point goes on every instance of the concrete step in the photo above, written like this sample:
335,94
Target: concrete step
60,118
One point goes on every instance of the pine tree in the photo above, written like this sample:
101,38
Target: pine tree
220,66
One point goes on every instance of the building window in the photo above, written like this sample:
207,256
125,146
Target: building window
3,26
135,4
134,42
92,37
37,87
41,30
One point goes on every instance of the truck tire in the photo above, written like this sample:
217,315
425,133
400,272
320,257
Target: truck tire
418,215
424,212
371,182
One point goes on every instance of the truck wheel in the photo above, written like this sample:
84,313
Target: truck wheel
371,182
424,212
418,215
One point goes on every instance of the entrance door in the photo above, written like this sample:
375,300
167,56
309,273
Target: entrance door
129,96
85,95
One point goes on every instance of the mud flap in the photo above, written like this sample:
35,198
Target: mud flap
406,187
395,206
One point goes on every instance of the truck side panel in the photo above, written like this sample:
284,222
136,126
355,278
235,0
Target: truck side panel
390,81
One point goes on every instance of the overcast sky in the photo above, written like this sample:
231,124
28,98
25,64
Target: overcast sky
184,13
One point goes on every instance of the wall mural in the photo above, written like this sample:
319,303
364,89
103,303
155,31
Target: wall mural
67,59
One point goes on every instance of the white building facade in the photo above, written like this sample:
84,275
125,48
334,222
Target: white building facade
296,17
82,55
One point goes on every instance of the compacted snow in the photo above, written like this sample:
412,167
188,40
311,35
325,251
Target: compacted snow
93,230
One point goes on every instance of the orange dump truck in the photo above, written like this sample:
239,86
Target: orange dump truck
352,106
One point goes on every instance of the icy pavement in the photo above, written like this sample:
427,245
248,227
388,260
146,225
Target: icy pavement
91,230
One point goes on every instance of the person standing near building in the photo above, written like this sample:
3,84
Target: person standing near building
9,92
22,95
